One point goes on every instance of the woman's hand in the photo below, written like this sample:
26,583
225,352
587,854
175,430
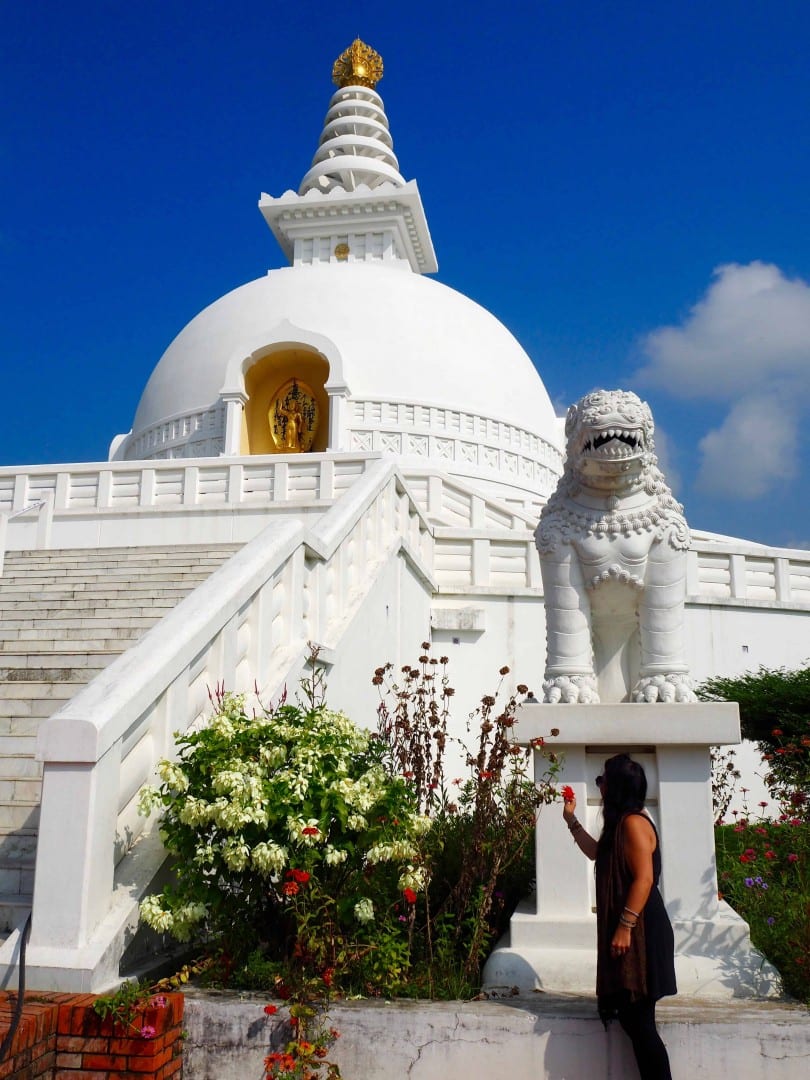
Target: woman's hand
569,808
621,942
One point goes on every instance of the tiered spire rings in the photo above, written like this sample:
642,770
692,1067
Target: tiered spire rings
356,146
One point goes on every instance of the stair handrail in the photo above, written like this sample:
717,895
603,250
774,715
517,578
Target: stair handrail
100,747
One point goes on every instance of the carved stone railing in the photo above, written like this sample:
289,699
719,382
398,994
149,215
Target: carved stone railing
720,572
250,621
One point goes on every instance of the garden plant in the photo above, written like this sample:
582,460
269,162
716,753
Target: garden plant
322,858
762,859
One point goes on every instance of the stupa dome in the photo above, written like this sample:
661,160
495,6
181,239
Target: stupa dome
352,348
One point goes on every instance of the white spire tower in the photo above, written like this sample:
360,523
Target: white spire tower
353,204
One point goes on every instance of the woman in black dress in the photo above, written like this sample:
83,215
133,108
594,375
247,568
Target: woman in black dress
635,949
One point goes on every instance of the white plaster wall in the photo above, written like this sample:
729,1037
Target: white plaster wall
395,613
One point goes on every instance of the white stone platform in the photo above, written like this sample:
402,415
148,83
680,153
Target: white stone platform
533,1037
551,943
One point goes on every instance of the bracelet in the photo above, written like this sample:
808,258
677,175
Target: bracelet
626,923
636,913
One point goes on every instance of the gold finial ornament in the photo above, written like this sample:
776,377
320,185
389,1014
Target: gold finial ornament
359,65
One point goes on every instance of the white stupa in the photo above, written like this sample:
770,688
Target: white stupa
394,360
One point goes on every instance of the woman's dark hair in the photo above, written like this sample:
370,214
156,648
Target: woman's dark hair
624,788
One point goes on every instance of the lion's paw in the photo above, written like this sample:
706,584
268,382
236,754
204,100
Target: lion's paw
674,686
571,690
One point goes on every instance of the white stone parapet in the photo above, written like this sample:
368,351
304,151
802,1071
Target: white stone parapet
247,624
552,939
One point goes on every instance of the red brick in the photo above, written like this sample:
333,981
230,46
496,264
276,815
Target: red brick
111,1062
76,1043
68,1061
150,1065
80,1074
135,1047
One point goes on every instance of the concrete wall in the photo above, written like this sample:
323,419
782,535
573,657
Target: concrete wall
519,1038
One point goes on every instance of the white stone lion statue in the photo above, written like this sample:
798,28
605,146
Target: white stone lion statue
612,541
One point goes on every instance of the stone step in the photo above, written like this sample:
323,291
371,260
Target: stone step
102,621
137,605
100,594
64,616
15,816
13,909
20,767
61,644
24,792
17,714
24,673
22,659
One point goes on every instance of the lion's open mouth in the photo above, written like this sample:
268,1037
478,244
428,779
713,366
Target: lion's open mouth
613,442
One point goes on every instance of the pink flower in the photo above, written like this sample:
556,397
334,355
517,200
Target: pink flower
160,1001
793,857
148,1032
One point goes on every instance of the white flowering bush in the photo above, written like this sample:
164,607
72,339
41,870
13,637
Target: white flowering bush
289,835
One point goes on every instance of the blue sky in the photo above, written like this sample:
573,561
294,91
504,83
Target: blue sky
624,185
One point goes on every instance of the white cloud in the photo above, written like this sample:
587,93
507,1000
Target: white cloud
746,344
755,446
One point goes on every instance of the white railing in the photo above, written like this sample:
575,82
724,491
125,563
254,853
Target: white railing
190,483
250,621
721,573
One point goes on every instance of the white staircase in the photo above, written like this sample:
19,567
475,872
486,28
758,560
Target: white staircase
64,616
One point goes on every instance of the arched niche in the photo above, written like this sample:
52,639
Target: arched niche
265,379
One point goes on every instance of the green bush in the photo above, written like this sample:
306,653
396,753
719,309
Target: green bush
762,869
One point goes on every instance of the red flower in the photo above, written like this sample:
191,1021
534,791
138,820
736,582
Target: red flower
770,854
409,895
271,1010
792,858
327,976
290,888
777,731
310,830
568,793
301,876
538,743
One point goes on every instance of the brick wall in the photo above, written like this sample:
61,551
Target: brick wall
60,1037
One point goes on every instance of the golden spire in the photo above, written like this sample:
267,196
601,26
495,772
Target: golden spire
359,65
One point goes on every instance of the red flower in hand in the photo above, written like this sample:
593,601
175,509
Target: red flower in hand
568,793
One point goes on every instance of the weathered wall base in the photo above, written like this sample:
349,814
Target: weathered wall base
525,1038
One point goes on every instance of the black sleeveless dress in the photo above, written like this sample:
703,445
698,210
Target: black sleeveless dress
647,970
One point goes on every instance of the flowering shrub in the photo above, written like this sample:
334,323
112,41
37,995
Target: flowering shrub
314,856
478,857
287,828
764,873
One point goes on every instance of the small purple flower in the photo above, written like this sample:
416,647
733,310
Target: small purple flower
757,880
749,882
770,920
